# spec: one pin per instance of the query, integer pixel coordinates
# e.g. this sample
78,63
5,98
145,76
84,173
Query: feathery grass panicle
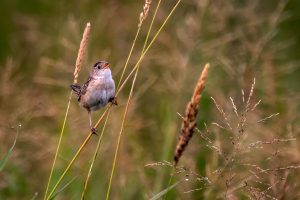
234,107
250,95
82,50
144,13
220,109
189,121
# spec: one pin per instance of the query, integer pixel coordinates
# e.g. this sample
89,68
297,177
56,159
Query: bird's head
100,68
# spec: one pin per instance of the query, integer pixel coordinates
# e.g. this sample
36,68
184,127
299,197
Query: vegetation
245,127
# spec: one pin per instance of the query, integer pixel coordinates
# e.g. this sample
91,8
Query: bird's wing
84,87
76,88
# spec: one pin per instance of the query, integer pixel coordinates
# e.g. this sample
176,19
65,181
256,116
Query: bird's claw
94,130
113,100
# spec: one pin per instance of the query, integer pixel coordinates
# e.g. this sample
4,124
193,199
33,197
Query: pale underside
98,93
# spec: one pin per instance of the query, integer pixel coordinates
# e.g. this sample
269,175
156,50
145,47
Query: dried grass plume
144,13
82,50
189,120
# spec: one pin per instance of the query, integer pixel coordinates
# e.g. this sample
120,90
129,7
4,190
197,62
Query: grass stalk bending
79,60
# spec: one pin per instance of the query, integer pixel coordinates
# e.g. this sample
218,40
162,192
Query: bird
97,91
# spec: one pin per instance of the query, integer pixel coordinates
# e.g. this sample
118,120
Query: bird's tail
76,88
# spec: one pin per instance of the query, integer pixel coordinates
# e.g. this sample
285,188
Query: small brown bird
98,90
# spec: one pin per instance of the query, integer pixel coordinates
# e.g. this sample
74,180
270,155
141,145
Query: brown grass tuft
189,120
81,51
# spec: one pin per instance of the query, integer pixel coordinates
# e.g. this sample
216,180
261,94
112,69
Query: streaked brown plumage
97,91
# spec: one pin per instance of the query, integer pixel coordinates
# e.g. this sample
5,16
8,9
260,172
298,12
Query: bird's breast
98,93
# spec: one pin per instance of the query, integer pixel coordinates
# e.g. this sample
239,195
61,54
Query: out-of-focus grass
38,48
6,156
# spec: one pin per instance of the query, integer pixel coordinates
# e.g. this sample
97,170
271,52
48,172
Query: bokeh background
241,40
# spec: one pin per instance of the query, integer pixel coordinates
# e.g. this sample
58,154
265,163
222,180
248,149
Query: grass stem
77,154
58,145
148,47
126,109
129,56
94,157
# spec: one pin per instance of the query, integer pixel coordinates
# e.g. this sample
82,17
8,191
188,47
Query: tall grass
119,87
143,16
78,64
237,173
245,144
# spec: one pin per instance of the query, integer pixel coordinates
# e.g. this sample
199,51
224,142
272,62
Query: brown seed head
189,120
81,51
144,13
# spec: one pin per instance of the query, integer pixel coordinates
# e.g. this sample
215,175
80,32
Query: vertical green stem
77,154
70,164
148,47
129,56
58,146
94,157
119,139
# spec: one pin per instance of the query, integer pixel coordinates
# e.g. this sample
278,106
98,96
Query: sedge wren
98,90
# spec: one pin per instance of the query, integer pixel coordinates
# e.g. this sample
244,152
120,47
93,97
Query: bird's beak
106,65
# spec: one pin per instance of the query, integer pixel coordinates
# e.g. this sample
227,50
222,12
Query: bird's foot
94,130
113,101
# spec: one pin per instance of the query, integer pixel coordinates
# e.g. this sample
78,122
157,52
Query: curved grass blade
165,191
4,160
63,188
34,196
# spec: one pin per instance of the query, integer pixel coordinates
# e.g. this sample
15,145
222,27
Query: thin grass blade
4,160
63,188
165,191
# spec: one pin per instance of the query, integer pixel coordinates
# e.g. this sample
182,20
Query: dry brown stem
189,121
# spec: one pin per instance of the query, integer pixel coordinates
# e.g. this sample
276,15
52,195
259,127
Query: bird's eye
99,67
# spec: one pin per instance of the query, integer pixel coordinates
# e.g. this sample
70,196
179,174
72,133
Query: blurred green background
241,40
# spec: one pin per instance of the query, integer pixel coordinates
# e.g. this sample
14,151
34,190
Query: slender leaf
34,196
63,188
3,161
165,191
